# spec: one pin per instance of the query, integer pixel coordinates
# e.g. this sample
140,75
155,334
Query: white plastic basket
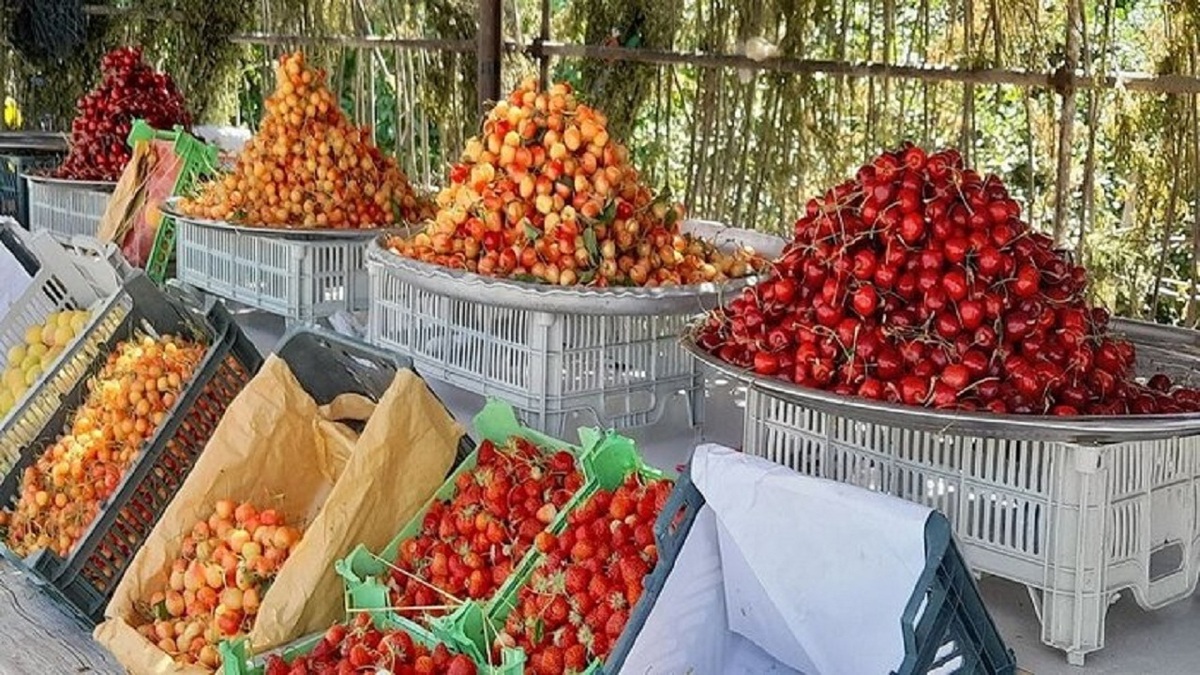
78,277
1074,523
301,280
66,209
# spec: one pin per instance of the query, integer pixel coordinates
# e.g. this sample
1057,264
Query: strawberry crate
606,464
63,279
366,573
85,579
67,208
14,193
236,659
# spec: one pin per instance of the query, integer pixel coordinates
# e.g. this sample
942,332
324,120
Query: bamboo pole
1066,124
1193,305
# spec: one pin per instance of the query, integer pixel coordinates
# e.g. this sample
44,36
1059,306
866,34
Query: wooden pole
489,51
1066,124
543,38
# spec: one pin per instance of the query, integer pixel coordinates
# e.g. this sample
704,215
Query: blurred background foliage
746,148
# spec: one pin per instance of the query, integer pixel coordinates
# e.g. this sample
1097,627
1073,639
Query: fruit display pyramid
918,282
547,195
128,90
308,167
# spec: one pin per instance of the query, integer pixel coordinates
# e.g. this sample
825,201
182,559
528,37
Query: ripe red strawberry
582,550
551,661
577,579
556,612
461,665
575,657
632,569
616,623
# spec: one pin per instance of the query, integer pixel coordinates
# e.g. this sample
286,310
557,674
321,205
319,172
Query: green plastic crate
365,574
607,462
199,160
236,658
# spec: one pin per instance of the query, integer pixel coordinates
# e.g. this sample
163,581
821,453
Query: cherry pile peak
309,166
128,90
546,195
917,282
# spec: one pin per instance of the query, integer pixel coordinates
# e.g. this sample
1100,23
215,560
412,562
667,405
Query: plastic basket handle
194,300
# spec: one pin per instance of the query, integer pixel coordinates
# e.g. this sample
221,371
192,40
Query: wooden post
489,50
543,38
1066,124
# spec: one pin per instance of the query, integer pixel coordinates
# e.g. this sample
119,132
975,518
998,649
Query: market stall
598,392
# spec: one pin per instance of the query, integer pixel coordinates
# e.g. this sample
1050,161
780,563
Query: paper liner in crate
783,573
276,446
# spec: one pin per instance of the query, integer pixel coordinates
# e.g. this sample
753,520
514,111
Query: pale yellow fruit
16,354
33,335
63,336
13,376
31,361
18,390
32,374
48,332
52,354
64,319
79,321
39,350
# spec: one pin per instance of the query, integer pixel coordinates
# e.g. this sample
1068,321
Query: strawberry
616,623
575,657
551,661
461,665
582,550
556,612
577,579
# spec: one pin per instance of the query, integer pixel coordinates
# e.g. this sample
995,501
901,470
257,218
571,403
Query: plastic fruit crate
613,370
85,580
366,573
606,466
300,279
235,659
1075,523
199,159
66,208
946,627
14,194
63,279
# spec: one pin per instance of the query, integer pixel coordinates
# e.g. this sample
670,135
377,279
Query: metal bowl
171,208
1166,349
625,301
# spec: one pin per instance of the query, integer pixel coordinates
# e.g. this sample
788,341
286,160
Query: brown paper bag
277,448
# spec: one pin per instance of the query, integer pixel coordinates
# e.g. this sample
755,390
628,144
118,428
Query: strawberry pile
469,544
578,599
129,90
918,282
362,648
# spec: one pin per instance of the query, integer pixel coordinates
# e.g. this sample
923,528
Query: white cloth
783,573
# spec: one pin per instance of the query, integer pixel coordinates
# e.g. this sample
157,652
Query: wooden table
38,638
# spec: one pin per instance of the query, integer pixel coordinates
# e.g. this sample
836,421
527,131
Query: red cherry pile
918,282
129,90
578,599
362,648
469,544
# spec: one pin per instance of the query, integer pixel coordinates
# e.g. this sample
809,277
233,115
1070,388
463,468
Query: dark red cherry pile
917,282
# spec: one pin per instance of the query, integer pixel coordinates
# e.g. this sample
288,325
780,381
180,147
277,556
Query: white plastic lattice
607,369
299,279
1074,523
66,210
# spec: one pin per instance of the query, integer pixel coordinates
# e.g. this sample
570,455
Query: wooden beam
463,46
1132,81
